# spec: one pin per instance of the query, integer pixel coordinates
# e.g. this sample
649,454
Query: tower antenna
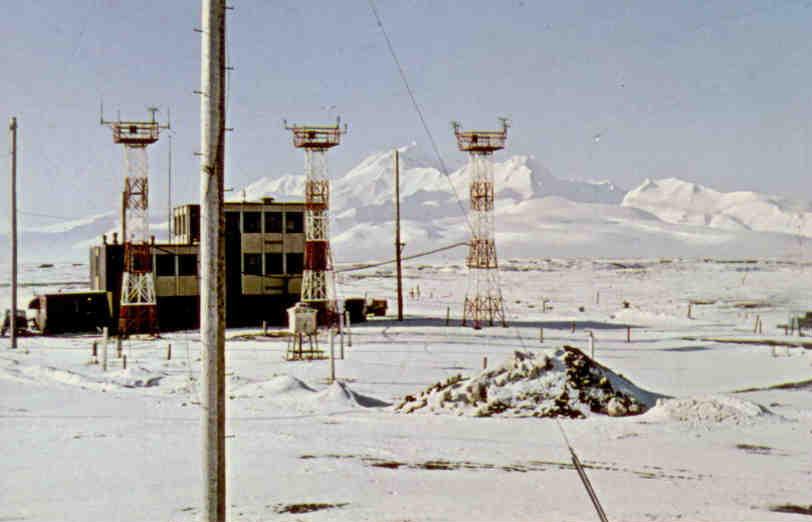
318,277
138,308
483,299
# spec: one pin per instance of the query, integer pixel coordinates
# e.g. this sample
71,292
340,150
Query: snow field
99,445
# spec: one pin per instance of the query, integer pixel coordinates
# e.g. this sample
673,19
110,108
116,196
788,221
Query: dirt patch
755,449
647,472
792,508
296,509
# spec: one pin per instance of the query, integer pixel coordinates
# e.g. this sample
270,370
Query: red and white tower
483,299
138,310
318,279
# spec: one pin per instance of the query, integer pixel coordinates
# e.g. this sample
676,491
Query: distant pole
169,195
212,259
332,357
123,217
12,129
398,244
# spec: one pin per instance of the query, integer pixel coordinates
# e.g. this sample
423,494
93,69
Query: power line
413,256
419,112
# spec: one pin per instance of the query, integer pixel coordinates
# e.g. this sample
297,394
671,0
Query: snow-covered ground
83,444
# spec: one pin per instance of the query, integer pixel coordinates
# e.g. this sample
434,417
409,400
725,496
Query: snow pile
712,409
288,391
339,394
564,384
276,387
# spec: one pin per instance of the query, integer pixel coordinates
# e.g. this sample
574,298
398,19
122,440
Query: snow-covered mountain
537,214
677,201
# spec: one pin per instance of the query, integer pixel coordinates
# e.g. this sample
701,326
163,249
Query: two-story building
264,256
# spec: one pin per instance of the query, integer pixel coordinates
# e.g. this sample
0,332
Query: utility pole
12,129
123,217
169,196
398,244
212,259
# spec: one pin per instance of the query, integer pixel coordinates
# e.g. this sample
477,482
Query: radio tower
483,299
318,281
138,311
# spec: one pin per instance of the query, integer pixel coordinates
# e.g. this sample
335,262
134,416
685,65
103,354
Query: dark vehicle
357,308
21,323
71,312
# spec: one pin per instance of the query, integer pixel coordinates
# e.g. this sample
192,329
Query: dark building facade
264,260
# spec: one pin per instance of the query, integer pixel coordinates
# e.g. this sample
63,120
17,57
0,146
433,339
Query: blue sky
710,91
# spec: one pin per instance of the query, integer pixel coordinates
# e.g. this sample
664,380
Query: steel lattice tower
138,310
483,299
318,279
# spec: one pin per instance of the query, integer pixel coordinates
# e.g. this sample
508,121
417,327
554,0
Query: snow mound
278,387
712,409
341,395
288,391
566,383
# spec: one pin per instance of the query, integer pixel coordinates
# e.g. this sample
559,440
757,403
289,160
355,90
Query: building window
251,222
232,223
294,222
187,264
273,222
273,264
164,265
252,264
295,263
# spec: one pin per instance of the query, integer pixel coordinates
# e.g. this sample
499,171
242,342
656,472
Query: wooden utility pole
212,258
398,244
123,217
169,195
12,129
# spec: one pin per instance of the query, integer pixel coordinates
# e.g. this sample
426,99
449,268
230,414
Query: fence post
332,359
541,335
447,315
485,363
169,352
104,357
341,335
118,346
628,334
124,361
349,329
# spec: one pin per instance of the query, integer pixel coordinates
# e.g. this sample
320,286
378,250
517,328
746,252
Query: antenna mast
318,277
483,300
138,310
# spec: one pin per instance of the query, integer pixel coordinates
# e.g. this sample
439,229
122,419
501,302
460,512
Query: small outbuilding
71,312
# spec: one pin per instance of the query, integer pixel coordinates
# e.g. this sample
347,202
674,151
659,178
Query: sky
714,91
